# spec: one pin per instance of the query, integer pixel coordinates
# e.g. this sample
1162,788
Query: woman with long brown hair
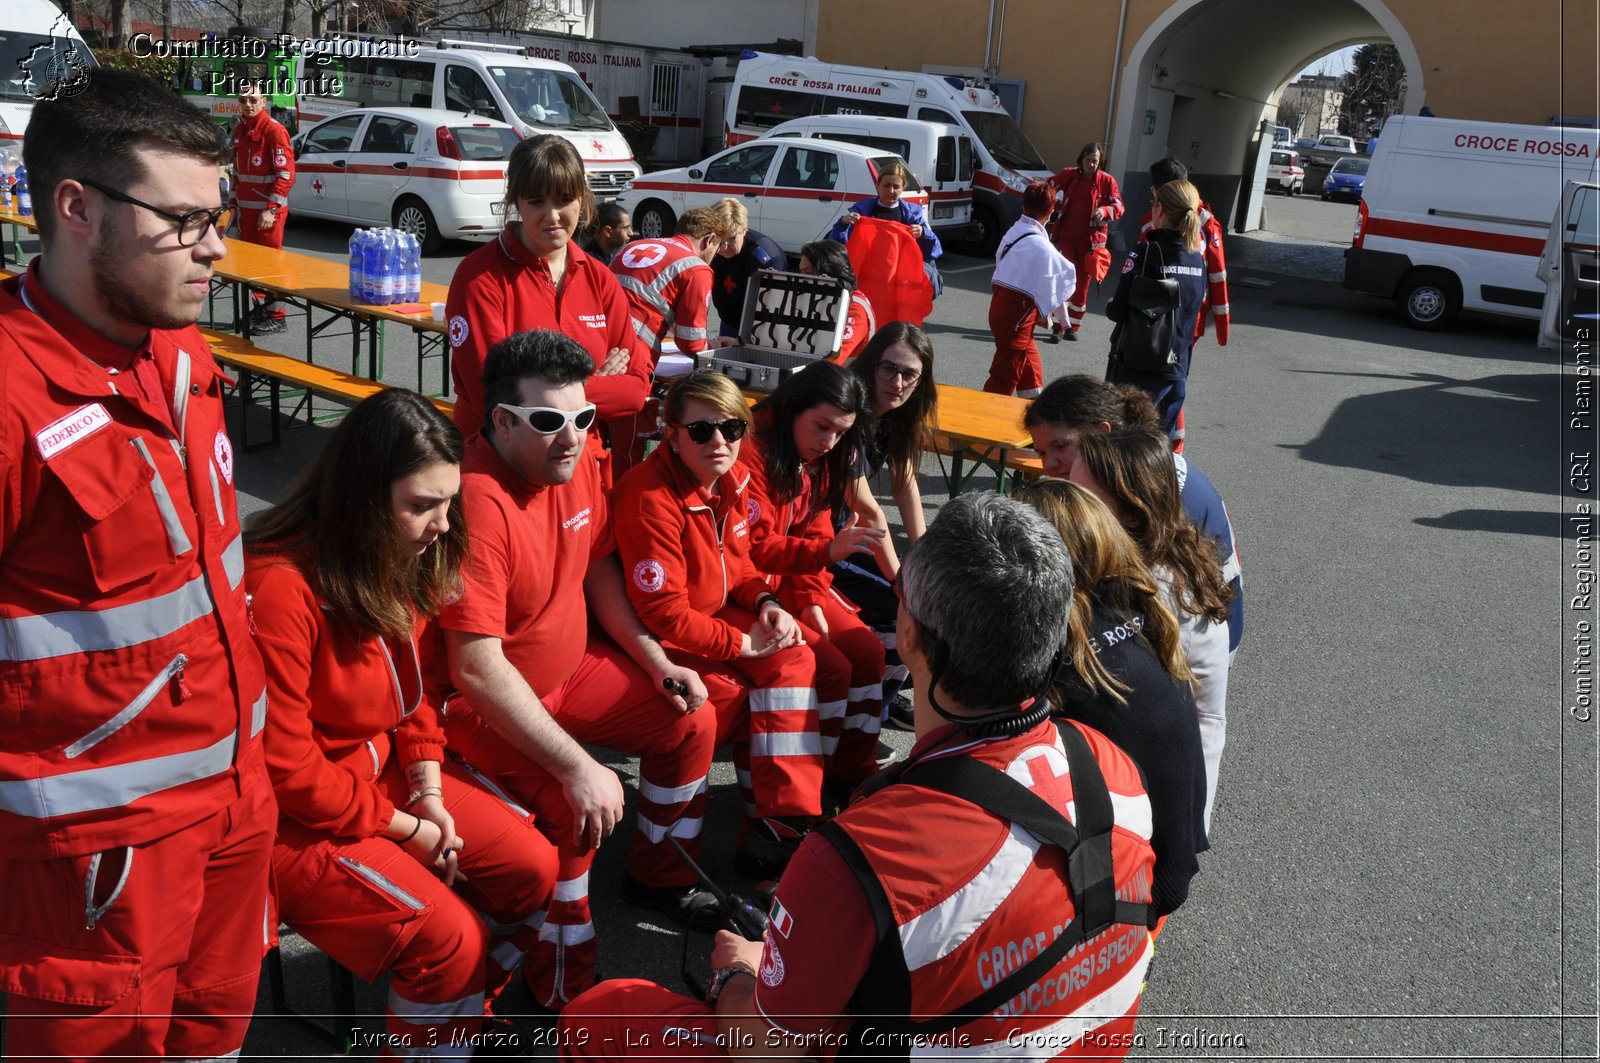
1132,472
344,574
1126,676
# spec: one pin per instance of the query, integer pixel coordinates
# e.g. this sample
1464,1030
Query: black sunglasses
732,430
192,225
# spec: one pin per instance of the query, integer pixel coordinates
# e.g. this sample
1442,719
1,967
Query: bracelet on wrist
761,602
423,791
719,981
414,828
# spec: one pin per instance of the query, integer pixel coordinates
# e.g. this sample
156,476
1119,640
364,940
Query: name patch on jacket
578,521
593,320
80,424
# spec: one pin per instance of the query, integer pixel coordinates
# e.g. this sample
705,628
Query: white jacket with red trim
669,289
263,164
134,694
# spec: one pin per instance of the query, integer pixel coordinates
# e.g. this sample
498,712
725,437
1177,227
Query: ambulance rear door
1570,268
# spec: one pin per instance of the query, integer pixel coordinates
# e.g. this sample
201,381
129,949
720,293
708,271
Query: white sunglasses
547,421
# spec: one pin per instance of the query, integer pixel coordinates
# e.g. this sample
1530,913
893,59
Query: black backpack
1147,339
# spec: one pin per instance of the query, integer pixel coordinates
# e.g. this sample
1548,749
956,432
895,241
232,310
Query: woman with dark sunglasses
682,525
800,460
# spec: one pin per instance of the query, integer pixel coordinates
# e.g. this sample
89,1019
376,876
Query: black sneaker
902,715
689,906
266,324
1052,336
767,847
887,754
1071,334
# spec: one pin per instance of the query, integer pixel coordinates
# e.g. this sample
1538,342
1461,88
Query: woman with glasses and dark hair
1125,674
828,258
682,521
389,856
801,460
896,368
535,276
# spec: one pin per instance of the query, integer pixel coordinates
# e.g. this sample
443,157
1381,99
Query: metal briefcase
790,321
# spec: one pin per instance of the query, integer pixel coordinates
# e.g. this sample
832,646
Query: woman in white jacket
1132,472
1031,280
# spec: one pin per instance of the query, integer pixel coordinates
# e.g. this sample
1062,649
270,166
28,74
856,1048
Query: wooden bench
260,369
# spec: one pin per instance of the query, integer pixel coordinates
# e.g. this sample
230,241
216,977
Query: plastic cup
438,311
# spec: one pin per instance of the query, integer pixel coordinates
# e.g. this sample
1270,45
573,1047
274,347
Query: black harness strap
884,994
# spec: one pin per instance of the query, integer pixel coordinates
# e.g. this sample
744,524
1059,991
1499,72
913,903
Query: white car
434,174
1285,173
794,189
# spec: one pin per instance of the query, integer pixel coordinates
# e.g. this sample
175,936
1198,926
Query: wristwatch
719,981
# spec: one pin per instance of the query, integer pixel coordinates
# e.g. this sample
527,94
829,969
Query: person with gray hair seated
958,880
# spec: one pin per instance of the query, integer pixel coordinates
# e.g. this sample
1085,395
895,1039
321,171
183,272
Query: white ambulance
1455,214
40,53
772,89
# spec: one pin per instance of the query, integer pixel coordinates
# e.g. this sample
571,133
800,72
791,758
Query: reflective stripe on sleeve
258,715
39,637
233,561
115,785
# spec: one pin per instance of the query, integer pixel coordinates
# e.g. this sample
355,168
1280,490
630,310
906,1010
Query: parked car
1305,143
435,174
1336,144
1286,174
1347,179
794,189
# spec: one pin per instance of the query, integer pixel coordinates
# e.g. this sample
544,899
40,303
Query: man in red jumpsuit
1090,203
135,809
669,295
986,915
534,684
263,173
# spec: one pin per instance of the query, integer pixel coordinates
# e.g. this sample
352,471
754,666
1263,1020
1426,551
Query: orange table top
983,417
12,217
318,280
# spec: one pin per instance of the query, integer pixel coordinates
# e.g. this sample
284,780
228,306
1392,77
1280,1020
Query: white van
494,81
1455,213
940,156
771,89
40,50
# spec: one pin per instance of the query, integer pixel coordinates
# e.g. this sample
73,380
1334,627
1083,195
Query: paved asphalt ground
1403,860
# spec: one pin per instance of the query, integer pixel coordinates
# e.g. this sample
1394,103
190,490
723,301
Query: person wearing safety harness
134,800
1018,924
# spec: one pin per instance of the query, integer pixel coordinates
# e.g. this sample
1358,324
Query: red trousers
374,907
1016,365
250,232
849,725
607,702
1078,303
170,964
625,1017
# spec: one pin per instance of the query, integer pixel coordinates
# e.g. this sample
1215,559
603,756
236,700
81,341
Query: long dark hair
818,384
1135,467
911,423
341,512
831,259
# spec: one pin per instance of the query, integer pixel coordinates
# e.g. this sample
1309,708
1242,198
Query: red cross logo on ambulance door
643,253
318,187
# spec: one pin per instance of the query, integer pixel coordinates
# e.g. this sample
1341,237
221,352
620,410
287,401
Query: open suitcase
790,321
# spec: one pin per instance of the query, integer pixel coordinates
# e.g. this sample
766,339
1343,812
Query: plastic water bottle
371,266
393,283
5,191
357,238
413,269
24,198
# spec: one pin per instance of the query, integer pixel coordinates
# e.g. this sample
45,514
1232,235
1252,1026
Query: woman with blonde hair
1125,675
1132,472
741,256
535,276
683,523
1170,250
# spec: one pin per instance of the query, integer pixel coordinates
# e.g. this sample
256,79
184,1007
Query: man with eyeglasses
263,173
532,682
135,810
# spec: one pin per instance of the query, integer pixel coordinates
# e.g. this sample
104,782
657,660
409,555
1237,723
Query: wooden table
982,427
17,223
313,284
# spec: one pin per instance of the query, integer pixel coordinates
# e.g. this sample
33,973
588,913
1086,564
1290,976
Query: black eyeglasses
888,372
732,430
192,225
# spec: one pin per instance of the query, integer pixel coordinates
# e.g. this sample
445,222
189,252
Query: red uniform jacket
669,289
787,536
343,701
686,554
1074,234
859,325
502,288
133,692
263,164
1216,301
